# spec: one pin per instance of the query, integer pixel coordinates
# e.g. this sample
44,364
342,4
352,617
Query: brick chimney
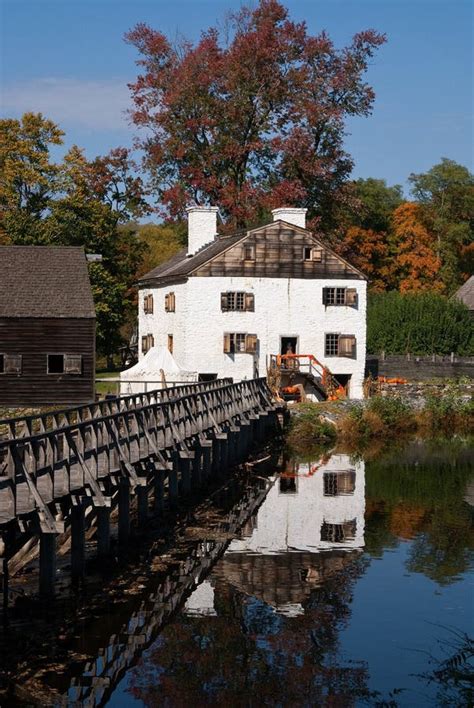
202,227
292,215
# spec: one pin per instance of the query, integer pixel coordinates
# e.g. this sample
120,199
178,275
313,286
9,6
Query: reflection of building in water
201,602
310,507
311,519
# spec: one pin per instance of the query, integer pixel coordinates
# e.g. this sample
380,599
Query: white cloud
95,105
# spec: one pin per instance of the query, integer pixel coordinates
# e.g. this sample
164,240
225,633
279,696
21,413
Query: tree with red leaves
251,117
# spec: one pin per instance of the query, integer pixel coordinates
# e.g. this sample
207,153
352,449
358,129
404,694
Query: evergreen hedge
423,323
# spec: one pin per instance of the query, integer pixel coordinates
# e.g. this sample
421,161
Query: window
249,252
312,254
241,302
148,304
170,302
170,343
240,343
339,296
148,342
65,364
10,363
338,533
340,345
338,483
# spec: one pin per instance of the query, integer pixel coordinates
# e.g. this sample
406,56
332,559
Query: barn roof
44,281
466,293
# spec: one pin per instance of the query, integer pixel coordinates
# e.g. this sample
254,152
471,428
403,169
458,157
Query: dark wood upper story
47,327
277,250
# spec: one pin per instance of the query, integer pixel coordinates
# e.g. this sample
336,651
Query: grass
104,387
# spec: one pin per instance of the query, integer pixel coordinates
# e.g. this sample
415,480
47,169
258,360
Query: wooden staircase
288,376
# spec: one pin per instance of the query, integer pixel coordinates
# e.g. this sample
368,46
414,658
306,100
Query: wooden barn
47,327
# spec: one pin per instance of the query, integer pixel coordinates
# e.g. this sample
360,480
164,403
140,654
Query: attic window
10,363
312,254
249,252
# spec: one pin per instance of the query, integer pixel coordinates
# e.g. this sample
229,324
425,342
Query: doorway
286,342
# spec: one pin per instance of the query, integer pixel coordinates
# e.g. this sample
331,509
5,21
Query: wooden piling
47,563
103,531
78,539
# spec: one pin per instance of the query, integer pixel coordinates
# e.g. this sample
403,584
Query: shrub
308,428
423,323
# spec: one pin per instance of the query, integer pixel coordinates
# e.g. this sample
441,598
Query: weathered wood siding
278,254
34,339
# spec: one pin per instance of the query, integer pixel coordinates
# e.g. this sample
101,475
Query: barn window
148,342
239,342
170,302
148,304
340,345
10,364
64,364
339,296
311,253
237,301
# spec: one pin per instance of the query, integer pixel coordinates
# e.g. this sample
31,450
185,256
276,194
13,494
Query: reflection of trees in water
419,495
250,651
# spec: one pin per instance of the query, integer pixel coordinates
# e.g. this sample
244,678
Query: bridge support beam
103,531
78,539
142,505
206,462
173,482
47,564
158,492
123,511
196,473
185,474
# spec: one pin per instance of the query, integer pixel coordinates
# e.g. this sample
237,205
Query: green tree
75,202
446,193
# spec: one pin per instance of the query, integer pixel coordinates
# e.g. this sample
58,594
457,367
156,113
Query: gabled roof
466,293
44,281
180,266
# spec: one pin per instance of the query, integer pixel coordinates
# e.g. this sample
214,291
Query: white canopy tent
156,370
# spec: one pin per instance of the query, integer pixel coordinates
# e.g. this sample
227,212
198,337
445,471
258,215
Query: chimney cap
288,210
210,209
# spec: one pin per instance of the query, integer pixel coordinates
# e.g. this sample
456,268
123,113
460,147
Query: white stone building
226,303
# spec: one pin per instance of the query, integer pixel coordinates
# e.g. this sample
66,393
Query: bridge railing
24,426
115,439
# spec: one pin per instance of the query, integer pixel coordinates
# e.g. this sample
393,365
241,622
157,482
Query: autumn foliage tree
415,264
251,117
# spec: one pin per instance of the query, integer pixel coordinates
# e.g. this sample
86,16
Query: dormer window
311,253
249,252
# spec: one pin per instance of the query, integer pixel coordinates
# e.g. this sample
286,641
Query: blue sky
67,59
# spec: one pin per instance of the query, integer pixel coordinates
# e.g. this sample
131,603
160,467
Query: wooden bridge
66,472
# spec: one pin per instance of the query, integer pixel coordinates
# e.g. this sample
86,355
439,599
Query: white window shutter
73,364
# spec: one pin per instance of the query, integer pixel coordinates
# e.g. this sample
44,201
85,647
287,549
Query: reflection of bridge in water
62,474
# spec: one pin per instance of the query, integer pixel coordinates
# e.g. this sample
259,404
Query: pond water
352,580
